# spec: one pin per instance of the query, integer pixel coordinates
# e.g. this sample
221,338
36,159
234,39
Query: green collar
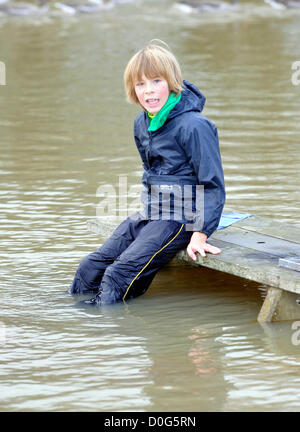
158,120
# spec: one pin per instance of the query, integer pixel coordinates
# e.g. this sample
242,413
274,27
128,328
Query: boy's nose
149,88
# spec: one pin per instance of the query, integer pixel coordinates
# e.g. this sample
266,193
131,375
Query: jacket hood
191,100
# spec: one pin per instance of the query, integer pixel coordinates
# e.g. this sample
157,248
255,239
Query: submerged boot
94,301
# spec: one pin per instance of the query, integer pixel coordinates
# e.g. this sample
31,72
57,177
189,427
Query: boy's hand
198,244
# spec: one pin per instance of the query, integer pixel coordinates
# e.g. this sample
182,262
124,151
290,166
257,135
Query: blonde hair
152,61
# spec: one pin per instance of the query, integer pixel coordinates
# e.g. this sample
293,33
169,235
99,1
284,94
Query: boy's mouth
152,101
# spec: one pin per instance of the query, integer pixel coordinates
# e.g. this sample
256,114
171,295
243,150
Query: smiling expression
152,93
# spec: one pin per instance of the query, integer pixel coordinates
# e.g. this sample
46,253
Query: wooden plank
270,227
249,264
292,263
259,263
261,242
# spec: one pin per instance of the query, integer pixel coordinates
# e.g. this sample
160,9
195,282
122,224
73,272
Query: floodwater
192,342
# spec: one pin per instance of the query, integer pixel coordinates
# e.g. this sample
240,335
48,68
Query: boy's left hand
198,244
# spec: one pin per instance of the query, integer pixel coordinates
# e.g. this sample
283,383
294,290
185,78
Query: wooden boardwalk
259,249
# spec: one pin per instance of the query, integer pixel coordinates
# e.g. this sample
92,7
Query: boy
180,152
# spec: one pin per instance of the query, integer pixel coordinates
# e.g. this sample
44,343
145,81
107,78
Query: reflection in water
192,342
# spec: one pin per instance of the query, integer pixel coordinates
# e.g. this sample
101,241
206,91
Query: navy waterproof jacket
185,150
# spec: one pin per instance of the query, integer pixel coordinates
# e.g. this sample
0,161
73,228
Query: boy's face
152,93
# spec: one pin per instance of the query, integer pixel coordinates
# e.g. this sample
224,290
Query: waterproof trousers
125,265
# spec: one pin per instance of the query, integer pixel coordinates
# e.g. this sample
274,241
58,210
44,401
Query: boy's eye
157,81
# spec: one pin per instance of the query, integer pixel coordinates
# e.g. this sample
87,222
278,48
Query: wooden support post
279,305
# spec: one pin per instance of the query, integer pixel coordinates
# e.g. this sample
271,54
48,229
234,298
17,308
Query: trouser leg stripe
153,256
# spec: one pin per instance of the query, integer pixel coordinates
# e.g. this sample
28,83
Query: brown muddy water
192,342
